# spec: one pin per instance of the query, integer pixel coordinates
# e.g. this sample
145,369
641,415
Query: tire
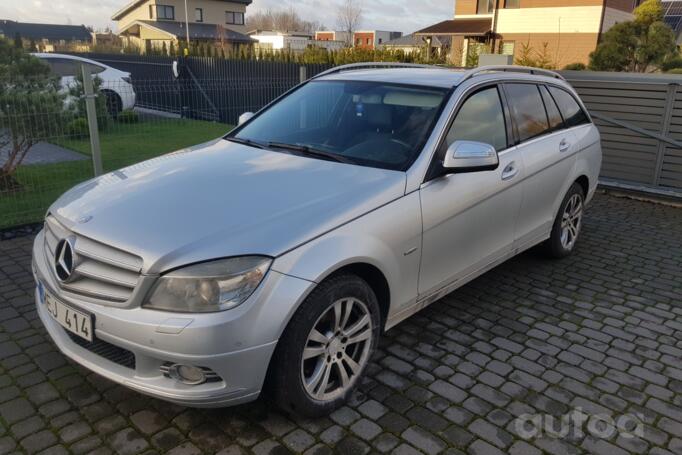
114,103
567,225
329,353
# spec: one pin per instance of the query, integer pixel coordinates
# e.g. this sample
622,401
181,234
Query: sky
399,15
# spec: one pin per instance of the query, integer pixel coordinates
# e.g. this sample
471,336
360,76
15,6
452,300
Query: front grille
100,271
112,353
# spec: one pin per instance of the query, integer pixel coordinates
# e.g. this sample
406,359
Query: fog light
187,374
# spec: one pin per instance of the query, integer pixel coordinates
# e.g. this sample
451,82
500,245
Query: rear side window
63,67
556,122
569,107
94,69
480,119
528,110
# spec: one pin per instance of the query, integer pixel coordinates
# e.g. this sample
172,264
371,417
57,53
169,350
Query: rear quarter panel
590,155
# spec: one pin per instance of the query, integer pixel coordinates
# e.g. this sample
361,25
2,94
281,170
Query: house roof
196,31
45,31
416,40
118,15
459,27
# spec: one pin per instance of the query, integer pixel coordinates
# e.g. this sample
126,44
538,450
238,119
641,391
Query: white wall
573,19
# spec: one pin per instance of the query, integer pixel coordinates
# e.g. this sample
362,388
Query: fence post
91,110
303,73
665,129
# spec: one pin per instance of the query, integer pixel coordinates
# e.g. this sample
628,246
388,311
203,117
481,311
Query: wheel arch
584,183
374,278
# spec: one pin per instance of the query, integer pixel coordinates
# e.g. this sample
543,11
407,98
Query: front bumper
236,344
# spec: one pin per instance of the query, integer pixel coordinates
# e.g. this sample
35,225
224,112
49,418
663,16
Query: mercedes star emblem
64,260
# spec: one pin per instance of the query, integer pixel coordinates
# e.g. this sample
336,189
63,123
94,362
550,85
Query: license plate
74,321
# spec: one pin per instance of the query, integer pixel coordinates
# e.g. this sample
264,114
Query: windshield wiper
248,142
307,150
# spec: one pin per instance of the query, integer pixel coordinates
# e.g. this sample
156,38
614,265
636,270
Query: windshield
367,123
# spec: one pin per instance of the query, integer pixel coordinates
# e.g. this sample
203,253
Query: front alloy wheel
326,347
337,349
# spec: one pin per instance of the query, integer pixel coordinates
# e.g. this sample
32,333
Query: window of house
555,120
528,110
233,17
507,47
569,107
485,6
199,14
512,3
369,41
480,119
165,12
151,11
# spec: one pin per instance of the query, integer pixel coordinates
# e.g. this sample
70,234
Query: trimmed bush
128,116
575,67
78,128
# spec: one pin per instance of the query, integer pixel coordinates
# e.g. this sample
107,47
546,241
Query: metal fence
59,152
208,88
640,118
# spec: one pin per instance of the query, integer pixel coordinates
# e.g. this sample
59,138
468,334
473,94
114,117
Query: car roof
431,77
49,55
440,77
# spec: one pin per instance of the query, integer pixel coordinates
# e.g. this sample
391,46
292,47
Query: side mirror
470,156
245,117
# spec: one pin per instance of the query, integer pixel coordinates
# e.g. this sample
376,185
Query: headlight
209,287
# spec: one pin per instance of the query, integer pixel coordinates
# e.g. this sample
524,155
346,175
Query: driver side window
480,119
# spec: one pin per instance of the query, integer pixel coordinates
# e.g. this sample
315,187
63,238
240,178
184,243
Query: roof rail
368,65
510,69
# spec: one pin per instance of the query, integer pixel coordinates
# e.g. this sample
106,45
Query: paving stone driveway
600,331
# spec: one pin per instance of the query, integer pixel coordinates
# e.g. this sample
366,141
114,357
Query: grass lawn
122,145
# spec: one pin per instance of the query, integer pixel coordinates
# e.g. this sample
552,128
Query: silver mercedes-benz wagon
273,258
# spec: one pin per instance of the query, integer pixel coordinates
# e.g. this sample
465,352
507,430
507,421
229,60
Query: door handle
564,146
510,171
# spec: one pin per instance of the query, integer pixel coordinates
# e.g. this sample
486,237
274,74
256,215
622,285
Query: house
372,39
672,10
153,24
565,31
48,37
330,35
292,41
270,40
414,43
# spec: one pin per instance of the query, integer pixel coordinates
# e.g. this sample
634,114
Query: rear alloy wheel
567,224
326,347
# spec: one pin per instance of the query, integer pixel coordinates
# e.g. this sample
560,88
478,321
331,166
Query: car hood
222,199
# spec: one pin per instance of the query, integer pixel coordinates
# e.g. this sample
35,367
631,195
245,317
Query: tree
284,20
639,45
18,43
349,17
31,108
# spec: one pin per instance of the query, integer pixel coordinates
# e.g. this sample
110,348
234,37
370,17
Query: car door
469,218
548,149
